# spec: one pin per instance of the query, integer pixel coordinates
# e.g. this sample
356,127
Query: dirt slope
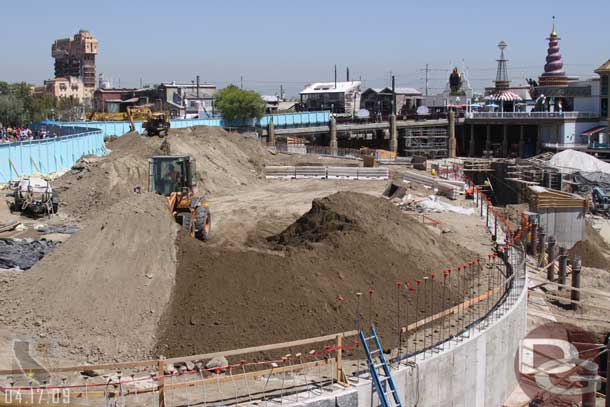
349,242
104,290
225,161
593,250
106,180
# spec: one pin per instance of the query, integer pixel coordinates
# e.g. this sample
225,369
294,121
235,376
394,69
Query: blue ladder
383,378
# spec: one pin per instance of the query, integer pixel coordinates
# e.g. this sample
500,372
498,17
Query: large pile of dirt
101,182
593,250
229,298
104,290
225,161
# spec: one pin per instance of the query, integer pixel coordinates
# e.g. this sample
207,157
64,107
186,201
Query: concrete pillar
472,145
333,136
563,265
452,141
521,142
488,138
550,271
393,134
505,141
534,240
271,133
575,294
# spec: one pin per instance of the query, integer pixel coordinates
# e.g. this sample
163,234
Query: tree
239,105
12,112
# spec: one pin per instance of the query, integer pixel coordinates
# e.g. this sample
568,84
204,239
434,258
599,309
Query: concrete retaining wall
476,372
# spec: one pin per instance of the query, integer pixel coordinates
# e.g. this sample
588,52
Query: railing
532,115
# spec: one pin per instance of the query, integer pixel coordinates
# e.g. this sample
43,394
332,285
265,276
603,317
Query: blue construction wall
82,138
49,155
302,119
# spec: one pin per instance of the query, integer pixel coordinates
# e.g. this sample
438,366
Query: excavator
173,176
155,124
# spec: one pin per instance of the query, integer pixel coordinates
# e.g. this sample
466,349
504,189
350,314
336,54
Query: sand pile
224,160
593,250
101,182
349,242
103,291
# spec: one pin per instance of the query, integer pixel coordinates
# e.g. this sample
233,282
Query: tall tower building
75,57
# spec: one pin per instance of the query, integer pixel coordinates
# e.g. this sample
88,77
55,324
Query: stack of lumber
545,198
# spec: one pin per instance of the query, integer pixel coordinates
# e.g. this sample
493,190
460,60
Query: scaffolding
430,142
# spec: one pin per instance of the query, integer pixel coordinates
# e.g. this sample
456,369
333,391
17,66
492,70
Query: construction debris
448,188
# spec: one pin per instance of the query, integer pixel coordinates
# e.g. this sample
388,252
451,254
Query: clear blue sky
295,42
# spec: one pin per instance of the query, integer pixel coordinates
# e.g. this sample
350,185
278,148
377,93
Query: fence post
339,359
161,379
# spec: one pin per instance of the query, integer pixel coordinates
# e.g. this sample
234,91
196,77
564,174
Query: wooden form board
545,198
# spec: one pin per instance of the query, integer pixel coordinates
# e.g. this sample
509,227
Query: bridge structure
389,134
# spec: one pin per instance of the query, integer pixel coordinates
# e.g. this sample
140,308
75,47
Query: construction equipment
155,123
174,177
600,201
384,384
33,196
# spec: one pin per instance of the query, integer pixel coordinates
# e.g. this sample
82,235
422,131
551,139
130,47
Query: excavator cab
175,178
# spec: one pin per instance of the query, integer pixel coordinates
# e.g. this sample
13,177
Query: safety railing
532,115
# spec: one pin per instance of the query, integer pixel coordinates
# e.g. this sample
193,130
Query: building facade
75,57
338,97
66,87
380,101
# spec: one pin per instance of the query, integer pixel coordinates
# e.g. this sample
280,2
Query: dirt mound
593,250
103,291
101,182
318,224
224,160
349,242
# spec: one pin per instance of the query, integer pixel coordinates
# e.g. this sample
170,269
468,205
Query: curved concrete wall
477,371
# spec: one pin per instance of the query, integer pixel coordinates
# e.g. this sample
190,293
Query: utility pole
335,76
281,92
426,79
394,95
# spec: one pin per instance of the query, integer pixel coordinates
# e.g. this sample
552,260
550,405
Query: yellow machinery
174,177
107,117
155,124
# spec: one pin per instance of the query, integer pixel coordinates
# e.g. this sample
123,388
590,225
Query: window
604,107
604,90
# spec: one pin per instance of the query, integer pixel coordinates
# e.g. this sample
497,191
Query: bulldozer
155,124
173,176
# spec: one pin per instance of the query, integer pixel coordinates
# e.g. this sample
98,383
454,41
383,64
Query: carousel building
563,112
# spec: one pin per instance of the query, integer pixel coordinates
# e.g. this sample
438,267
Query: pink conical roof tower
553,75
